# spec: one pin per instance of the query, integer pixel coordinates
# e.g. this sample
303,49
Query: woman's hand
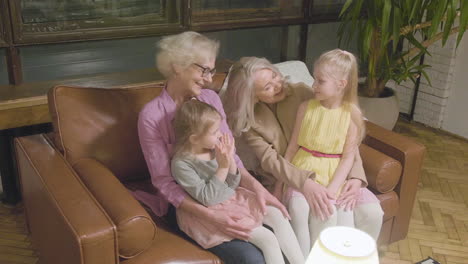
228,222
225,221
318,198
266,198
350,194
222,155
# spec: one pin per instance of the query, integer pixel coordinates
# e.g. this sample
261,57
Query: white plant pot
382,111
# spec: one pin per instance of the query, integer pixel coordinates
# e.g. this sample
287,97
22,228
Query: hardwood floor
15,244
439,224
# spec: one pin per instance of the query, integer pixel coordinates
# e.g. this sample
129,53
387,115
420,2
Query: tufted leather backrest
101,124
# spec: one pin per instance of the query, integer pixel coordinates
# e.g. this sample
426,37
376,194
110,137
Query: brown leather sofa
75,182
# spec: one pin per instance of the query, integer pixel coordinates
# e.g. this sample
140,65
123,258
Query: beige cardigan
269,137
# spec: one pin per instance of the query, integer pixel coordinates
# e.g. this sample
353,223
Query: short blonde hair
193,118
239,99
184,49
342,65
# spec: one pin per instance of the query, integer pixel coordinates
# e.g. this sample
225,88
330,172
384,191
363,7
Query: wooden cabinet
54,21
230,12
39,21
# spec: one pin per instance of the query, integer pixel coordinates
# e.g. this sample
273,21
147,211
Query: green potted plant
392,35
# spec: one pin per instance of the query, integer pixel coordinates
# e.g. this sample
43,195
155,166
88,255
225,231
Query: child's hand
222,155
229,144
349,194
333,191
230,148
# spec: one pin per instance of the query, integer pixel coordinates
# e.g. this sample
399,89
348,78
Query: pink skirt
243,205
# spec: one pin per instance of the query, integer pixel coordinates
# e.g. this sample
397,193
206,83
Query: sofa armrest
382,172
410,154
67,224
135,229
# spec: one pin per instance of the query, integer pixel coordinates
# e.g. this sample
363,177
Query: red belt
321,154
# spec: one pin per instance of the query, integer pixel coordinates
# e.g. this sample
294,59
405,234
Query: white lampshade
343,245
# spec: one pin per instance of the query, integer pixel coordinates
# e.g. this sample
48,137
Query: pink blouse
157,139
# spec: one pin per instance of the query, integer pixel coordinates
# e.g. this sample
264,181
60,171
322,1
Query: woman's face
268,86
197,75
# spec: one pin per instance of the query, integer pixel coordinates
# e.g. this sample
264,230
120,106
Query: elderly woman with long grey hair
261,110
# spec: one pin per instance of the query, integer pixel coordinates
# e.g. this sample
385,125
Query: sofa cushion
294,71
101,124
382,171
135,229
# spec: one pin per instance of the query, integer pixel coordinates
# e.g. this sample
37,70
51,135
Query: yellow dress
323,130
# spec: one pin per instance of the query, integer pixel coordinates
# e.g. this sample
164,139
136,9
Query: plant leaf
407,4
385,29
423,72
415,42
451,14
416,7
377,25
387,9
356,17
396,27
367,38
439,11
463,19
345,7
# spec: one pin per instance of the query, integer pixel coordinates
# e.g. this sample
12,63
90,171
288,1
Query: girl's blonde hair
183,50
239,99
193,118
342,65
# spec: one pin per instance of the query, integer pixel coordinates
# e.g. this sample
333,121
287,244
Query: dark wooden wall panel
3,68
62,61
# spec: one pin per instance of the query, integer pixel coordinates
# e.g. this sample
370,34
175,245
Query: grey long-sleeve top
197,177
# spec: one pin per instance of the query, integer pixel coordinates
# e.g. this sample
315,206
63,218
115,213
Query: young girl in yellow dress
204,166
327,131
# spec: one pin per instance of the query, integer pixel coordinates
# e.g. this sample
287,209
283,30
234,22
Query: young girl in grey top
204,166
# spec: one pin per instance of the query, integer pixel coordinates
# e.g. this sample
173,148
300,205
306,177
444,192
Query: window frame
322,17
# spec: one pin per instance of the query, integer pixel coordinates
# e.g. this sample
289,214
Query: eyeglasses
206,70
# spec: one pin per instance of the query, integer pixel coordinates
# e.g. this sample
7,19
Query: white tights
283,238
299,211
307,227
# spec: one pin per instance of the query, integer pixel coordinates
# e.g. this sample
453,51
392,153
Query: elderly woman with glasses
187,60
